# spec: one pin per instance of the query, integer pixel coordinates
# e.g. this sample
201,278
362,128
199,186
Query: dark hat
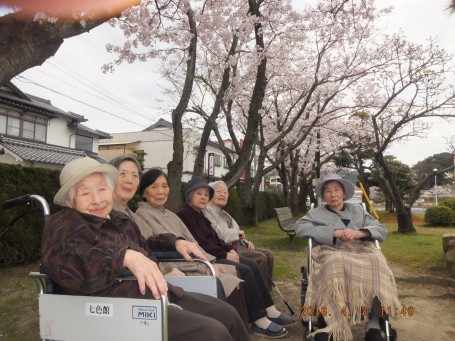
195,183
348,187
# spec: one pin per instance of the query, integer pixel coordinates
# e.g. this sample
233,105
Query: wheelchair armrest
41,281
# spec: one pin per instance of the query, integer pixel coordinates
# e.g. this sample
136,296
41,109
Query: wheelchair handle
26,200
16,201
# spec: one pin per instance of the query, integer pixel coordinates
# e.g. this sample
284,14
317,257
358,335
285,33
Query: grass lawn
413,252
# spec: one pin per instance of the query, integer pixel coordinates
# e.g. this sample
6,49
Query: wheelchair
71,317
316,320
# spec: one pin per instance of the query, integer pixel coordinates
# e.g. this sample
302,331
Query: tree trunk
211,121
404,215
293,183
248,200
257,98
175,166
27,43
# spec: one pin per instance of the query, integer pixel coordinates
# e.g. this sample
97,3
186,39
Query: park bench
286,221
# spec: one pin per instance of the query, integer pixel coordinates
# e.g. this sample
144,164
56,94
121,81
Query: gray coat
321,222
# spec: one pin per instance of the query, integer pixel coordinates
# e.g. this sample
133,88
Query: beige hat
74,171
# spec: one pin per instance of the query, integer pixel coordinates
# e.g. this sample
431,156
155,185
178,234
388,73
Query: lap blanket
343,283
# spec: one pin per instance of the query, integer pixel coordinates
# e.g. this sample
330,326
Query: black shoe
392,332
373,335
321,337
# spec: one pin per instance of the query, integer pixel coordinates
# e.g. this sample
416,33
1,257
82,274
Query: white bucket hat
348,187
74,171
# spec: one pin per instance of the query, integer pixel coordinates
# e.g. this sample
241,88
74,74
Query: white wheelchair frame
90,318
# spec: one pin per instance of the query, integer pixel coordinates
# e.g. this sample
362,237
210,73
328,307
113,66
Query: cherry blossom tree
274,77
164,30
415,84
323,55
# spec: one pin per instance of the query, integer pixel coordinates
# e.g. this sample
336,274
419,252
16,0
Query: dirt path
433,306
433,303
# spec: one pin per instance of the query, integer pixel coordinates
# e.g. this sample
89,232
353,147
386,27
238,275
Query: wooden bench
286,221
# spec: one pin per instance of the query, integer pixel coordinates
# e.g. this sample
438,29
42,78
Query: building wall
7,158
58,133
158,146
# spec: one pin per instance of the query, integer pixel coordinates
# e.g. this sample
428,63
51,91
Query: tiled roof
40,105
161,123
40,152
94,132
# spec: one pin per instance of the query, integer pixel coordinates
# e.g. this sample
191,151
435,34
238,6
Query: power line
97,89
26,80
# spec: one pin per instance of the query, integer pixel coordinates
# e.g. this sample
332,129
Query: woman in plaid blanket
350,280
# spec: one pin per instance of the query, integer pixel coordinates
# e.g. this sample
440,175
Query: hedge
20,244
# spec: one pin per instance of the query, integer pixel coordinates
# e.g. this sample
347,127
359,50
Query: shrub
21,243
261,206
234,206
439,215
450,203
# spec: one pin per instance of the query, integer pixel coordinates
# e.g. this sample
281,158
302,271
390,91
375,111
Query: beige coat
160,220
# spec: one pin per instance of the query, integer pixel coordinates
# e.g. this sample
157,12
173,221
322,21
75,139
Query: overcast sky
73,80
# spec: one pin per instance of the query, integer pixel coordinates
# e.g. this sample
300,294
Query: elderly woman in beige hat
87,245
350,277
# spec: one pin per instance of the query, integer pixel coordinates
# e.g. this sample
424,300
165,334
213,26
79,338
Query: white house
154,146
35,133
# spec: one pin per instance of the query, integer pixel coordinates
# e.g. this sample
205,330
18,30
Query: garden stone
450,263
448,242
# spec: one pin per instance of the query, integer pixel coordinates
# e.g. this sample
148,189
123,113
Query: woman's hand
233,256
349,235
218,270
147,273
250,245
188,250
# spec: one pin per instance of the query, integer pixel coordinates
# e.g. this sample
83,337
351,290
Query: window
13,126
22,125
3,120
217,160
84,143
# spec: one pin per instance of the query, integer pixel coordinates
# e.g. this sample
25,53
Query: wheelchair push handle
16,201
27,200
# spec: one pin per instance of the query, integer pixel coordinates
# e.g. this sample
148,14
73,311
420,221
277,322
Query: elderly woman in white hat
87,245
350,277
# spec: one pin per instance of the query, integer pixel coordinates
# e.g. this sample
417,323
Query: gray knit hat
195,183
348,187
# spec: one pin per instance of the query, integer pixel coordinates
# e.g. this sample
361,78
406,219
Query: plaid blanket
343,284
